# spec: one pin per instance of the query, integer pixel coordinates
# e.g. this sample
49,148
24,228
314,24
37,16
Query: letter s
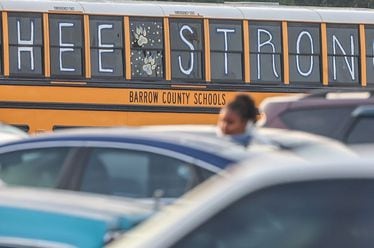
190,45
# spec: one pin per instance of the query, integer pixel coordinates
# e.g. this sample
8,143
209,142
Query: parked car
360,128
49,218
303,144
274,200
116,161
10,133
333,114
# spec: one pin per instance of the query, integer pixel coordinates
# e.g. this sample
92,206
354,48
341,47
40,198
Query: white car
10,133
276,200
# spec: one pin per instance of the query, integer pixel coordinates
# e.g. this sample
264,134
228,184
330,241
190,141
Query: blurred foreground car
339,115
56,219
116,161
274,200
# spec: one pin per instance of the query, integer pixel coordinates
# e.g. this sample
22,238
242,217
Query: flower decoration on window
140,36
149,65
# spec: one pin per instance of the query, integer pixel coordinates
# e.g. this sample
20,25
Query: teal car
54,218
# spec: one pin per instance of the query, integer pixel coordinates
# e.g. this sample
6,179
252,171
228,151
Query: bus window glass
265,52
226,50
369,30
66,41
147,48
25,44
186,38
304,52
343,53
106,36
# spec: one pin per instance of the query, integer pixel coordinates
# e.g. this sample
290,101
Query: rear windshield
322,121
361,132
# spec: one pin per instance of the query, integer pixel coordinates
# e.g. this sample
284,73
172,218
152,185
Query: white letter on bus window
190,45
62,50
225,31
259,45
101,51
28,49
351,67
305,74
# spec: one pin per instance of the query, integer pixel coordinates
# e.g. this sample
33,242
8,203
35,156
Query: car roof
248,176
271,139
208,149
331,98
309,142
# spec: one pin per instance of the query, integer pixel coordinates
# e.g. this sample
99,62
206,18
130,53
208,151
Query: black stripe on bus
108,107
166,85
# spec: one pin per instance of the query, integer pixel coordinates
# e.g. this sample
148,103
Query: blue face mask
242,139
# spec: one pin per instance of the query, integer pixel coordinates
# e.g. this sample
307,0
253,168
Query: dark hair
244,106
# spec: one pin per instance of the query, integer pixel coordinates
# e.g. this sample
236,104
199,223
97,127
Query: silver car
276,200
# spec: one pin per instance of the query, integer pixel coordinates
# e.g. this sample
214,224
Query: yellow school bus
104,63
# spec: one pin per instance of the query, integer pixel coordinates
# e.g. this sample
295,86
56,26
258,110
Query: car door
138,171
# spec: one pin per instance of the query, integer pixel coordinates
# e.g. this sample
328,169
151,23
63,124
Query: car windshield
324,213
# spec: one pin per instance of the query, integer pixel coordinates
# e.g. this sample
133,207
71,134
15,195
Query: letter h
23,43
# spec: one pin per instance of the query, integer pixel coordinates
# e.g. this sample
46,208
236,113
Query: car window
34,167
362,131
204,173
323,121
324,214
136,173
